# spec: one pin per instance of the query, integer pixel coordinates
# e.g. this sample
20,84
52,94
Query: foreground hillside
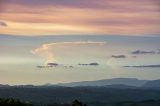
92,96
16,102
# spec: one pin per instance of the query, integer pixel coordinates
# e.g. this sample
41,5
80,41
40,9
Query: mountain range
115,81
93,93
131,83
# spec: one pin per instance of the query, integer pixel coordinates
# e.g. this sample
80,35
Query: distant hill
1,85
121,86
122,81
94,93
125,83
152,84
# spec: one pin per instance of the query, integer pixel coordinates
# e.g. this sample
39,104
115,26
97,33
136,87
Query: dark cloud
118,56
68,66
138,52
43,66
145,66
3,24
83,64
94,64
49,65
71,67
90,64
52,64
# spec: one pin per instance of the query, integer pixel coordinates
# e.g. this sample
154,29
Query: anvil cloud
52,50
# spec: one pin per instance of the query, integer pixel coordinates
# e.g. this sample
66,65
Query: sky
58,41
66,17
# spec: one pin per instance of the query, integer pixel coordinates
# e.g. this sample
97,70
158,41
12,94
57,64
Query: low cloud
66,66
118,56
70,66
52,64
40,66
145,66
90,64
139,52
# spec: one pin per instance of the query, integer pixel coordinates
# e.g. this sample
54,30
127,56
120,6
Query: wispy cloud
54,65
145,66
80,17
138,52
76,43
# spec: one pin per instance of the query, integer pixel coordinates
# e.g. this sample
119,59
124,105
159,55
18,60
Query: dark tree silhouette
77,103
13,102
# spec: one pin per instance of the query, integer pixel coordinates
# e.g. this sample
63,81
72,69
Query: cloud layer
52,17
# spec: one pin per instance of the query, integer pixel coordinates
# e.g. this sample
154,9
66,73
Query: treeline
129,103
74,103
17,102
49,95
140,103
13,102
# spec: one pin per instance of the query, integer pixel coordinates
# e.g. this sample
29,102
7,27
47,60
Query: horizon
59,84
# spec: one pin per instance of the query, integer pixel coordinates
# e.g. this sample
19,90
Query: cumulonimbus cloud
47,51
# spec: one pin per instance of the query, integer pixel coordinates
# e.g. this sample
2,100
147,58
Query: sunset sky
121,36
65,17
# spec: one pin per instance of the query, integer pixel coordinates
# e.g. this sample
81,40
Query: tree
77,103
